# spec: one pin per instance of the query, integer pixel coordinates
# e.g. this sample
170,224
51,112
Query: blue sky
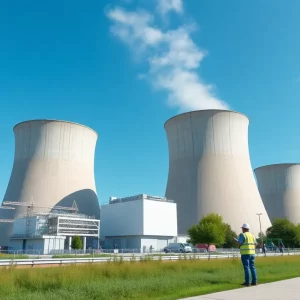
67,60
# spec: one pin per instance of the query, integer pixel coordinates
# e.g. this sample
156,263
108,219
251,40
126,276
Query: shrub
76,242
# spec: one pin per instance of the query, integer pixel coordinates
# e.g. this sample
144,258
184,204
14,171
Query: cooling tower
279,187
54,165
210,169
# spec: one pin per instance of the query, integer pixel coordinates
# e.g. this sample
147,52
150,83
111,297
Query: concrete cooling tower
279,187
53,165
210,169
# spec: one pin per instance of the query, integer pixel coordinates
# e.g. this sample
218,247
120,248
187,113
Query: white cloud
165,6
172,55
181,52
133,27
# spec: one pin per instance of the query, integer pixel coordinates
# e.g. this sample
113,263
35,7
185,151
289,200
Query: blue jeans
248,264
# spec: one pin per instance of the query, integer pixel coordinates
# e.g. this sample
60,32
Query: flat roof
114,200
54,120
206,110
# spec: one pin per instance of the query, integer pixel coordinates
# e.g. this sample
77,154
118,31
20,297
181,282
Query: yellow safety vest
248,247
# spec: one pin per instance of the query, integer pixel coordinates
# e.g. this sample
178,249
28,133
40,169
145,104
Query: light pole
260,226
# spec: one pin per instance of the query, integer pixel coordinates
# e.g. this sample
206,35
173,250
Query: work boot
245,284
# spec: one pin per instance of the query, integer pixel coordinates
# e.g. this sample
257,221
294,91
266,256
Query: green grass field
12,256
139,280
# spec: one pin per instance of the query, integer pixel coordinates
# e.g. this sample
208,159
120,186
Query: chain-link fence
19,254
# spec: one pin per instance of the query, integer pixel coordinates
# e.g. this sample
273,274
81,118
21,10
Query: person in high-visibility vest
247,242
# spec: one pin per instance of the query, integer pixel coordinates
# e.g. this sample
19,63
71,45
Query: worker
264,249
247,243
281,247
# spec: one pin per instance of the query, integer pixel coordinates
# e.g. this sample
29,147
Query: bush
76,242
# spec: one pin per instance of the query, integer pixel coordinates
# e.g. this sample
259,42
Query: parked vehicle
178,248
211,248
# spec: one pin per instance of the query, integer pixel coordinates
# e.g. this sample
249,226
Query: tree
285,230
76,242
210,230
261,238
230,236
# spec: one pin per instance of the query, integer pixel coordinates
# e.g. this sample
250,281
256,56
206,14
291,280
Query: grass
81,255
139,280
12,256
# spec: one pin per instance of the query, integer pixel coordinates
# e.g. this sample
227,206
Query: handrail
128,258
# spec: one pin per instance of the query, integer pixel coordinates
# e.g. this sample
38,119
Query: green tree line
212,230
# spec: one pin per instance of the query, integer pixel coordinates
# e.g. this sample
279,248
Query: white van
178,247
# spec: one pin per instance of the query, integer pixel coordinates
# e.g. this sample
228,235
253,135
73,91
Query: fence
126,258
19,253
232,252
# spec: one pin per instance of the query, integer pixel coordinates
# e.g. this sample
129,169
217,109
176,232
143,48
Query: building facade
138,222
52,233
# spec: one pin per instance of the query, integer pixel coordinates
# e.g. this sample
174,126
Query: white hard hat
246,226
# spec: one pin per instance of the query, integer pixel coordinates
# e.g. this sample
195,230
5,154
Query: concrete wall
120,219
44,245
160,218
16,245
53,243
139,217
210,169
123,242
54,164
158,243
37,244
279,187
138,242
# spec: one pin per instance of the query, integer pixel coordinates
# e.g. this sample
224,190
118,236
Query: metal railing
219,252
128,258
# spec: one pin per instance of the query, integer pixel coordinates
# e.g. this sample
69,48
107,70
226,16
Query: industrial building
279,187
50,233
210,170
53,166
138,222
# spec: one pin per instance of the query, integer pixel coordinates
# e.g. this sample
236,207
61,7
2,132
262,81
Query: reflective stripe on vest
248,247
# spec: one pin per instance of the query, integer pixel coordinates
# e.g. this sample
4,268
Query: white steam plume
172,55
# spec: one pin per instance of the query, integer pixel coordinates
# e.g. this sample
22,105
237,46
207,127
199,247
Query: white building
50,233
138,222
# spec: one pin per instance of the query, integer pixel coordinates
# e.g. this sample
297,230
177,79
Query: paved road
286,289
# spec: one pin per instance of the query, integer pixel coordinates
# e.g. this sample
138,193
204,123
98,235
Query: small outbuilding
140,223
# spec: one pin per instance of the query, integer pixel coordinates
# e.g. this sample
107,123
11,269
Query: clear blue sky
60,60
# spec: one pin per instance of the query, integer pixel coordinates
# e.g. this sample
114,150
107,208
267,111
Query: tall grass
147,279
